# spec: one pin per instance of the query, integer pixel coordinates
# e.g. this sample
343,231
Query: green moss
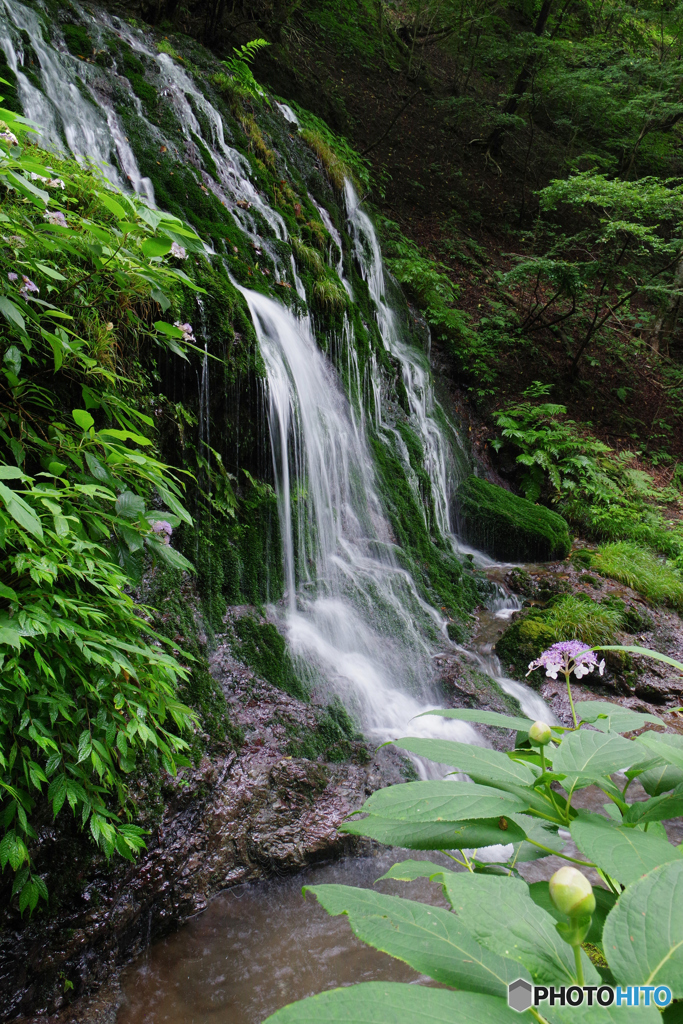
177,618
77,40
507,527
335,737
260,645
436,571
10,98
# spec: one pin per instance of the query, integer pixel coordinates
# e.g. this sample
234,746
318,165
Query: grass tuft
641,570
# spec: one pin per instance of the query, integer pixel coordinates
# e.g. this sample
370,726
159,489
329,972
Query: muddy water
258,947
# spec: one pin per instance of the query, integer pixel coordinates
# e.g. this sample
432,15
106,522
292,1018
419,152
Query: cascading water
352,613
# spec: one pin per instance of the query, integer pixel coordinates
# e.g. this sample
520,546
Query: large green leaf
661,779
502,916
409,870
480,763
659,808
430,939
585,756
643,936
388,1002
434,835
482,718
604,901
542,839
610,717
625,853
600,1014
441,801
665,745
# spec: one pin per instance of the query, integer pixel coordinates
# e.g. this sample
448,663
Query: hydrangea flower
12,276
56,217
9,137
27,287
163,529
187,331
567,656
178,251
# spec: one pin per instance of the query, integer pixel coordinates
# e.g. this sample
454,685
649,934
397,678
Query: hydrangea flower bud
540,734
571,892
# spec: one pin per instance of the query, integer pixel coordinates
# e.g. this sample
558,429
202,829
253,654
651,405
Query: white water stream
352,613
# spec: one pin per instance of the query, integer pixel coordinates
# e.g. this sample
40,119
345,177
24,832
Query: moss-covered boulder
509,528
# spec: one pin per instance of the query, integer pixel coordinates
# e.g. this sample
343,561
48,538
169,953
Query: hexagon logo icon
520,995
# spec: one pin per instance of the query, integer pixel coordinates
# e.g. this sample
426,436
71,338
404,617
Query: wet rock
233,818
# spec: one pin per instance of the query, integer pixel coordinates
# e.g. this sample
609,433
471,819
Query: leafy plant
238,66
638,568
499,927
88,687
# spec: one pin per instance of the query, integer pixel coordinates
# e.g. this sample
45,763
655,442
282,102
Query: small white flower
178,251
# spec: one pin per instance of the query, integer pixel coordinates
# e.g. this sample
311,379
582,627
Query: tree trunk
495,141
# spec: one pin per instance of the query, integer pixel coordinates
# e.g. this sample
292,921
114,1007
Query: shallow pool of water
260,946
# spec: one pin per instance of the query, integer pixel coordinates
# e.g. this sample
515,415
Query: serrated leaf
585,756
130,505
441,801
409,870
643,936
12,313
21,512
624,853
82,419
661,779
482,718
502,916
480,763
658,808
461,835
156,246
429,939
665,745
616,717
378,1002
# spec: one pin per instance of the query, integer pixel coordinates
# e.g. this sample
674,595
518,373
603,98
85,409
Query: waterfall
352,613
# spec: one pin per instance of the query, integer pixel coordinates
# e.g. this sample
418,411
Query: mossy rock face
507,527
521,643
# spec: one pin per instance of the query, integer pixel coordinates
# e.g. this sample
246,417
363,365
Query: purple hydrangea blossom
187,331
9,137
178,251
164,529
28,286
567,656
12,276
56,217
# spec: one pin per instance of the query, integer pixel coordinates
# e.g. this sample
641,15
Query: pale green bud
540,734
572,893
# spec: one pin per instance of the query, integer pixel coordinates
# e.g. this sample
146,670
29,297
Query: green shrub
567,618
507,527
641,570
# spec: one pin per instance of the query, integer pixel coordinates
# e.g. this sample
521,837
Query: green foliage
77,40
589,281
558,460
640,569
508,527
238,66
89,688
500,928
567,617
261,646
335,737
335,152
